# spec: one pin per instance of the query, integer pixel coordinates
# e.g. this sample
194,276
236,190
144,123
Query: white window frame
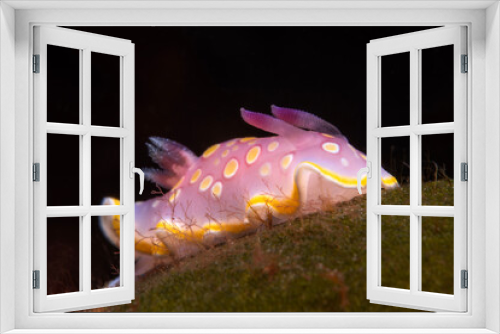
16,216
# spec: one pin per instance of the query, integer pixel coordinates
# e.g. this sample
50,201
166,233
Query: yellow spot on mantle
217,189
231,168
211,150
265,170
196,176
225,153
205,184
231,143
253,155
273,146
327,135
286,161
244,140
331,147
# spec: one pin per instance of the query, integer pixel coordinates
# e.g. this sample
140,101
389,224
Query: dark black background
190,83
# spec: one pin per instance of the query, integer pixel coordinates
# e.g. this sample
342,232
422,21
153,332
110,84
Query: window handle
366,170
141,175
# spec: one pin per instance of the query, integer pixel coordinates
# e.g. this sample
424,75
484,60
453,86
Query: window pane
437,84
105,89
437,254
104,251
63,85
395,251
105,168
63,170
63,255
437,169
396,162
395,94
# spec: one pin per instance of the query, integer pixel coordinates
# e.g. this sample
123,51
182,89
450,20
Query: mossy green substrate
312,264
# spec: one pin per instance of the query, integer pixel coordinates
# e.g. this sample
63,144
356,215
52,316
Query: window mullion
127,183
414,171
419,167
122,180
372,220
81,161
85,266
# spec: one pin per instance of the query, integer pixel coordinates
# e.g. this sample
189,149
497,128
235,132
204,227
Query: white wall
492,165
7,165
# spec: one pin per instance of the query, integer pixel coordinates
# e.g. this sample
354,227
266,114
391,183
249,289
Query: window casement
86,131
415,44
475,319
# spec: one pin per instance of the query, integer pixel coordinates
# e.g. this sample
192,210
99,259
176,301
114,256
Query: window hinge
36,279
465,64
36,63
464,279
464,171
36,172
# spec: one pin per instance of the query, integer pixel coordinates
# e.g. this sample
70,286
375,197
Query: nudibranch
237,186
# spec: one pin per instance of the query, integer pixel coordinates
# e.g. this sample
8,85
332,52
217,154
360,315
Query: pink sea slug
241,184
